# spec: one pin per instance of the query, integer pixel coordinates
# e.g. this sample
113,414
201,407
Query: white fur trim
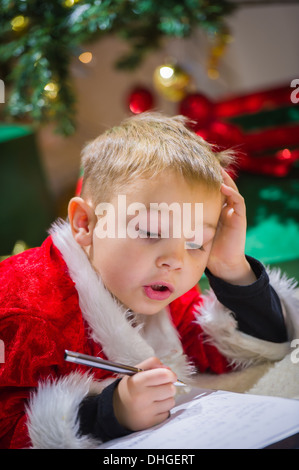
156,335
241,349
288,293
53,409
108,319
52,414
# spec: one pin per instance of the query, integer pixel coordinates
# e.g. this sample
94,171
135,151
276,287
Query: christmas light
85,57
166,72
284,154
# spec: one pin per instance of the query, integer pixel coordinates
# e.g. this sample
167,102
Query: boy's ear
82,220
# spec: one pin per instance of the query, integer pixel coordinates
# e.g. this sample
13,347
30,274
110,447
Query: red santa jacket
51,300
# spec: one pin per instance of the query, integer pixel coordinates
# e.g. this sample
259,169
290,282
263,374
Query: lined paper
219,420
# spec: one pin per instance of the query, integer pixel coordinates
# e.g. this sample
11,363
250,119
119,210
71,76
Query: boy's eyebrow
156,209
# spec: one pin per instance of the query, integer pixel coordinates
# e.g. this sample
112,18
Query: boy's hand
227,257
146,398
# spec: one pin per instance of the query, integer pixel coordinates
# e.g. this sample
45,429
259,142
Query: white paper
219,420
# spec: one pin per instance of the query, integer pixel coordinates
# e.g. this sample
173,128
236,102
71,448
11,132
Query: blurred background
71,69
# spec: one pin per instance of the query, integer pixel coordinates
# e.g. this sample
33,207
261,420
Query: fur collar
109,320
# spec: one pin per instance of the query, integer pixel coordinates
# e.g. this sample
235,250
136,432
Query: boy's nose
173,258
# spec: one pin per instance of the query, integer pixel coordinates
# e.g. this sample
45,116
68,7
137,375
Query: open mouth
158,291
159,287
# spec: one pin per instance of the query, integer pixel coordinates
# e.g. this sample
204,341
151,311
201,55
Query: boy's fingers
160,418
234,200
228,180
164,393
164,406
150,363
156,377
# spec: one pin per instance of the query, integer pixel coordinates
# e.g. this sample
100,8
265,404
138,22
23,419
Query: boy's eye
194,246
146,234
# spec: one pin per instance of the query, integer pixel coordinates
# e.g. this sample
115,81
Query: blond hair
142,147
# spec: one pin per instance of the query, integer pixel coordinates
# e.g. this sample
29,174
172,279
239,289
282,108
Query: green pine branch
41,52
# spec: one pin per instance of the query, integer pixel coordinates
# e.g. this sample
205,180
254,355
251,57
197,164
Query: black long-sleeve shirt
258,312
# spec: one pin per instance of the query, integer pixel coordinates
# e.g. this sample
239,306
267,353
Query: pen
91,361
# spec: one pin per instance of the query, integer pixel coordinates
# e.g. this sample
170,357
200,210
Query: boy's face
148,272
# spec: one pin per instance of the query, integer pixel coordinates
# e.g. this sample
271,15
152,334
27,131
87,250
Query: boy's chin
148,309
152,310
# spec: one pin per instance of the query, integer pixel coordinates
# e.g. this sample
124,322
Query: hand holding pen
92,361
144,396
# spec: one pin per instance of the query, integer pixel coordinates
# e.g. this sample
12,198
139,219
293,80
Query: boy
130,295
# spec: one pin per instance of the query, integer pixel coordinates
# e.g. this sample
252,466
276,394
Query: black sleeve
256,307
96,416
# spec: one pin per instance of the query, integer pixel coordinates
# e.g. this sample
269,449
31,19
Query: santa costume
51,299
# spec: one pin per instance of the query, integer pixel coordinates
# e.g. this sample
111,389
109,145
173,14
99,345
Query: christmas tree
39,39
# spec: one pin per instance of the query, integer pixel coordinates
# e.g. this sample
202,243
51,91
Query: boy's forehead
164,193
156,210
158,207
170,185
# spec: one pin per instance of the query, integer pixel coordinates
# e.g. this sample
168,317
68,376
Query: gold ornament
171,81
220,42
69,3
19,23
51,90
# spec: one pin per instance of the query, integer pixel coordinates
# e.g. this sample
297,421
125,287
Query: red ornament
225,135
203,132
197,108
253,102
273,138
278,164
269,150
140,100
